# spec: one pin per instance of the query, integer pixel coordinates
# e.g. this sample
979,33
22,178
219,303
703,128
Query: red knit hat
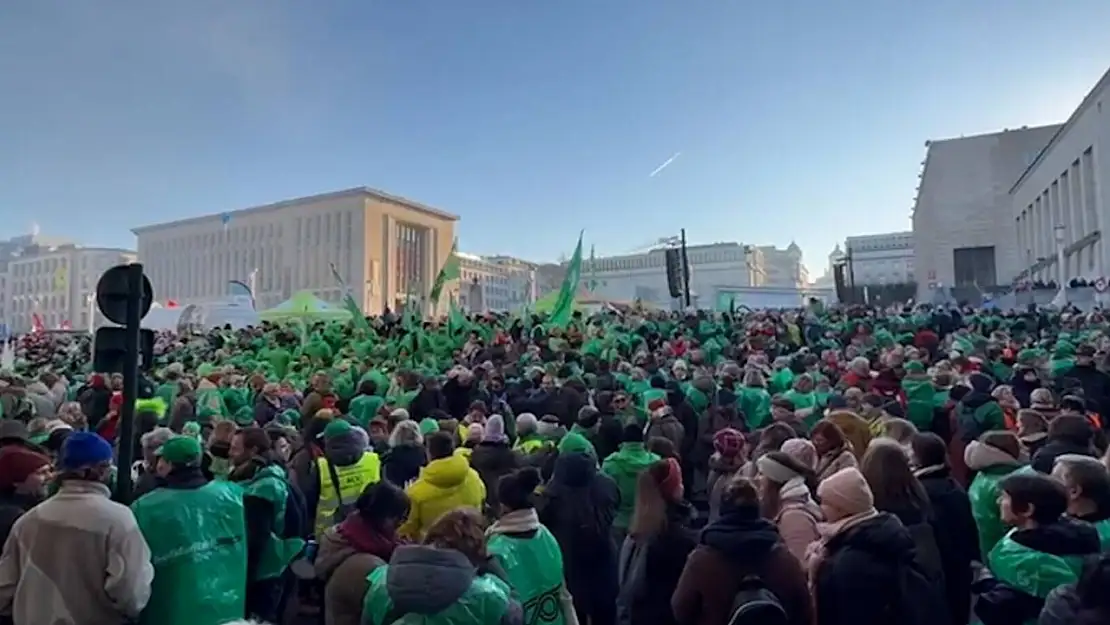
728,442
671,484
17,464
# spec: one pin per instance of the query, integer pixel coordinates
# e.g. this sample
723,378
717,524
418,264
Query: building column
389,244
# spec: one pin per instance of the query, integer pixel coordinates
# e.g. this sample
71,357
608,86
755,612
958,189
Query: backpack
755,604
296,523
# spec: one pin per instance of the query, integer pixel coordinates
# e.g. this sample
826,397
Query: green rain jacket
920,394
984,494
755,403
624,466
269,484
1037,573
198,545
534,565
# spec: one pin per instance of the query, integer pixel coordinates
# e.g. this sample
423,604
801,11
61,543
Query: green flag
456,320
349,300
450,271
564,306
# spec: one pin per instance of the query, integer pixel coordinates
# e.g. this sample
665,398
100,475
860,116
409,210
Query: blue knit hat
84,449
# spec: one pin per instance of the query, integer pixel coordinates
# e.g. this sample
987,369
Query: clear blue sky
531,119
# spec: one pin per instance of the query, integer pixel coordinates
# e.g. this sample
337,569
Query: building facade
58,285
962,202
828,279
1065,192
878,259
11,249
644,276
385,248
495,283
783,268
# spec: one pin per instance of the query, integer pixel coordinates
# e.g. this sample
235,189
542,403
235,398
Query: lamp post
1061,271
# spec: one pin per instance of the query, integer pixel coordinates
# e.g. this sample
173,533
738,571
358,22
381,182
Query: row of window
855,247
200,265
658,260
1069,201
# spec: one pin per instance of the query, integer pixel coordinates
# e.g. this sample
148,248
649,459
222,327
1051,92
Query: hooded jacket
443,485
578,507
992,465
492,461
441,586
737,545
624,467
978,413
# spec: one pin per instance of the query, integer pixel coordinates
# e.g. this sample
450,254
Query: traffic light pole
685,269
126,449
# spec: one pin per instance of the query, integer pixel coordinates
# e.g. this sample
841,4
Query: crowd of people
849,466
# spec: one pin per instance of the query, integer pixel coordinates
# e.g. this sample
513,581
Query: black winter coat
955,531
493,461
1045,457
645,592
869,574
1065,607
578,507
1096,386
402,464
458,397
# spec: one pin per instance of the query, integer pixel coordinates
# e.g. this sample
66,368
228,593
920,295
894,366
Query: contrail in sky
665,164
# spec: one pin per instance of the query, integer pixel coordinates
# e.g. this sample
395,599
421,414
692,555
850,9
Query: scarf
515,522
816,551
365,539
929,470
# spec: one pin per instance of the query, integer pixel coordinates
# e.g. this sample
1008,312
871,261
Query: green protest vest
198,546
535,570
484,603
1103,528
1033,572
269,484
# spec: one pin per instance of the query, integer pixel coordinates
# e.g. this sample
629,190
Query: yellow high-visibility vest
352,479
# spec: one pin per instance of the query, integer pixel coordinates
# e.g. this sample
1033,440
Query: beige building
783,268
58,284
383,246
964,235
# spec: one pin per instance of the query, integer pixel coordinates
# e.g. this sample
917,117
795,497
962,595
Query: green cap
428,426
181,450
335,429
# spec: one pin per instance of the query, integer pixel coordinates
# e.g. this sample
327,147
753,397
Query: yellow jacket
443,485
